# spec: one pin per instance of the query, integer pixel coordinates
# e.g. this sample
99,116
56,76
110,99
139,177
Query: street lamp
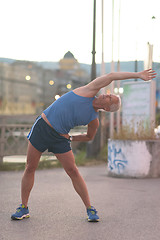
118,90
121,90
51,82
28,77
68,86
57,96
94,146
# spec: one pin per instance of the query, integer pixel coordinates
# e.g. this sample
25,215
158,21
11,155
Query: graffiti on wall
116,159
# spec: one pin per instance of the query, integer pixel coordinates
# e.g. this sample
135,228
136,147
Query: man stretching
51,131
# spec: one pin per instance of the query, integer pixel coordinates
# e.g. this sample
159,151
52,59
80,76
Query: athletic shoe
21,212
92,214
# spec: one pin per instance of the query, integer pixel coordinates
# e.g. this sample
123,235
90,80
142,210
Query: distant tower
68,62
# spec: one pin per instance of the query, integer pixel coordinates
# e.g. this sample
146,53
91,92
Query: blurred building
27,88
70,74
68,62
18,91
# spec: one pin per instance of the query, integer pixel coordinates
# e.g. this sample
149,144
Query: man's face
106,100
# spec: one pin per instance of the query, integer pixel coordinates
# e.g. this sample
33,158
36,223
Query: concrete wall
134,158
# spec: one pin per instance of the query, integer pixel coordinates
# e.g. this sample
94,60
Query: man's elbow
111,76
90,137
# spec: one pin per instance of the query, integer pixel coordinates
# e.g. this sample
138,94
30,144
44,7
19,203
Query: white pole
103,90
112,69
118,68
147,65
103,64
153,89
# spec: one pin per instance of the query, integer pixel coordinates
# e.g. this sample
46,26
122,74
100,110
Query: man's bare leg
68,162
33,157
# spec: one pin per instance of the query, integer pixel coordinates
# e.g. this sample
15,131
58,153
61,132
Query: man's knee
72,171
30,168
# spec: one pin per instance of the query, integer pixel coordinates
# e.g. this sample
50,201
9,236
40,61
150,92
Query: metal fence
13,139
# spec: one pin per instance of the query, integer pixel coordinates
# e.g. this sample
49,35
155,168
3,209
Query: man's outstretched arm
105,80
91,132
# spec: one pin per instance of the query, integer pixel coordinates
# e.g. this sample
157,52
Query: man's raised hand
147,75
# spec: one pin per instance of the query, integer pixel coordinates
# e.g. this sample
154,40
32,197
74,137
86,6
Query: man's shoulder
84,91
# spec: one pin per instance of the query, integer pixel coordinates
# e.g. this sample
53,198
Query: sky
44,30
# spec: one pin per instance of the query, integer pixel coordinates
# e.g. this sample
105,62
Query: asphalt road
128,208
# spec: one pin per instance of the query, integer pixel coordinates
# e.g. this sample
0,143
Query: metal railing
13,139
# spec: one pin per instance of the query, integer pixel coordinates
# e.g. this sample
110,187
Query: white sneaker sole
20,218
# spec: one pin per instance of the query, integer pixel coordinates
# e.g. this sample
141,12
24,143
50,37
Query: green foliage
12,166
158,118
80,158
103,155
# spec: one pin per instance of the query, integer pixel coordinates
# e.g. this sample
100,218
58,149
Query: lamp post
93,147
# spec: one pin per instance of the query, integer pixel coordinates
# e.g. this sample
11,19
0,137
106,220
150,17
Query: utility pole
93,147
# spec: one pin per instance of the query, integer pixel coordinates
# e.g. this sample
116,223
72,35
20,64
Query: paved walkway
129,208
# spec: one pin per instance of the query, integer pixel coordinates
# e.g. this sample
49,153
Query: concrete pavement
129,209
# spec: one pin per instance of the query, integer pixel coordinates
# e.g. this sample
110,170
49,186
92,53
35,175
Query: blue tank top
70,110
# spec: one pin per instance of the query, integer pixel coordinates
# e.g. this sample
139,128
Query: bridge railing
13,139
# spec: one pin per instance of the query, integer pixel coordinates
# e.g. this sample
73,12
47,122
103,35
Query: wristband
70,138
